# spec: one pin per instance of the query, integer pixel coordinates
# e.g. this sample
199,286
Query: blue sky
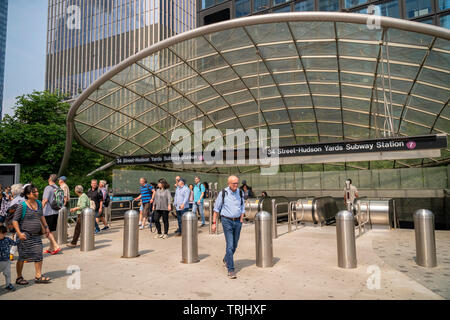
25,49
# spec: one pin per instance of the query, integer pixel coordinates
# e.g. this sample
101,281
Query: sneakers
10,287
202,225
96,231
231,275
71,245
165,236
105,228
141,227
178,234
156,236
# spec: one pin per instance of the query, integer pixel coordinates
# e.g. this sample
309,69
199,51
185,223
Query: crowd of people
28,219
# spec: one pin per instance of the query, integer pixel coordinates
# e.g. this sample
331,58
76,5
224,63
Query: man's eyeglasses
235,183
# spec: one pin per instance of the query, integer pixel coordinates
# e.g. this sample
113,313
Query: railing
362,218
275,216
292,211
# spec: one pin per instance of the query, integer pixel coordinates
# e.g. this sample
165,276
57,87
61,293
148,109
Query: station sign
381,145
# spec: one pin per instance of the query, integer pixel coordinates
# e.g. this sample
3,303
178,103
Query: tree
35,137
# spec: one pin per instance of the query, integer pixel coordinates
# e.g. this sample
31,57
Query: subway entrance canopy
318,77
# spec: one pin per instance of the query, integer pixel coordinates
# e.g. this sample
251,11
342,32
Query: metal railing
362,217
275,216
292,212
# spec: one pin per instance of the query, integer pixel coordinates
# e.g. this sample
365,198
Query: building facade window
417,8
354,3
283,9
207,3
259,5
388,9
242,8
444,4
444,21
328,5
307,5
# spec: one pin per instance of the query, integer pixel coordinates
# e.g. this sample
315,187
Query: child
5,263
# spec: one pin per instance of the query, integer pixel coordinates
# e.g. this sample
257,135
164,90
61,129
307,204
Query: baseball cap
63,178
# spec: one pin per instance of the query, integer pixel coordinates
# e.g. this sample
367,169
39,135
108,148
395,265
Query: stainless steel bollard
425,240
263,239
87,242
189,241
274,219
61,227
131,234
346,244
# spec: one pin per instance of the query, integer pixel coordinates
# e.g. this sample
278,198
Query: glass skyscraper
435,12
3,24
88,37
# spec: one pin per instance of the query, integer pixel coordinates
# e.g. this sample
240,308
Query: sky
25,49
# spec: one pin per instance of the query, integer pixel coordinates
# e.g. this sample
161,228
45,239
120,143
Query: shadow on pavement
51,274
203,256
141,253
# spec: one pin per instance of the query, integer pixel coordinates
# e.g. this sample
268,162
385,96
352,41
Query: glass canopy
316,77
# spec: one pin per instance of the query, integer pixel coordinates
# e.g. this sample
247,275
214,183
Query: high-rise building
88,37
435,12
3,24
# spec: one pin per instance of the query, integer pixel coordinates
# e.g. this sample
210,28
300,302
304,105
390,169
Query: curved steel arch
385,23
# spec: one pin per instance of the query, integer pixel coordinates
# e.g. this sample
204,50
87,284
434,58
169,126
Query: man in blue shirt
231,209
181,202
199,194
147,195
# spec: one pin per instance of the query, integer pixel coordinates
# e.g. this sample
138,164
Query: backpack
107,201
241,193
10,215
58,198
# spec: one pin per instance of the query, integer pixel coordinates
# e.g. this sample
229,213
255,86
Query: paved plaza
305,268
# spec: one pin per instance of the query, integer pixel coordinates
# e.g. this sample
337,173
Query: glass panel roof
314,80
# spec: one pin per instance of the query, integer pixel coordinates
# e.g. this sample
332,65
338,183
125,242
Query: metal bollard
263,239
87,242
346,244
131,234
274,220
61,227
189,241
425,240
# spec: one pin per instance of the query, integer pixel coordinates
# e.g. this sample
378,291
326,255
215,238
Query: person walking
191,196
181,202
29,222
83,203
96,195
147,197
230,205
161,206
350,195
63,185
199,195
17,193
106,201
51,211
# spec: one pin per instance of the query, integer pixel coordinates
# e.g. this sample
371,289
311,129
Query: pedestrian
29,223
350,194
147,195
63,185
17,193
207,193
96,195
181,202
52,202
264,194
106,201
248,192
83,203
5,200
5,264
199,195
161,207
191,196
177,179
230,205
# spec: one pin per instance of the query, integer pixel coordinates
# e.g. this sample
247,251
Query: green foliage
35,138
